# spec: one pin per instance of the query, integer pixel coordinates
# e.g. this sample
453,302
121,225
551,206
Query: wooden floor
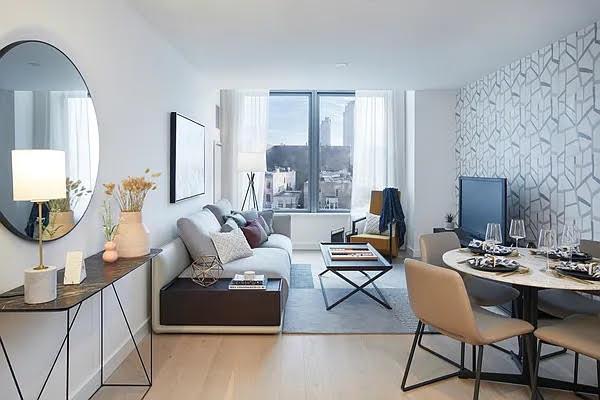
291,367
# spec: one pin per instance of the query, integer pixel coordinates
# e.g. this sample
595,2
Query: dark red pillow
254,233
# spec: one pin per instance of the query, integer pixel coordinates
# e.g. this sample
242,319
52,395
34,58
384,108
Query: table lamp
250,163
39,176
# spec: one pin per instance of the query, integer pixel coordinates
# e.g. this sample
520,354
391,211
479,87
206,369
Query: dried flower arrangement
75,192
132,191
108,225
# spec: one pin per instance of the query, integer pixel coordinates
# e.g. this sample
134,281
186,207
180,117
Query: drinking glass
493,236
546,242
571,238
517,230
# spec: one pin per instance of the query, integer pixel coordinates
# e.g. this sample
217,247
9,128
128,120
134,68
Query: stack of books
351,254
240,283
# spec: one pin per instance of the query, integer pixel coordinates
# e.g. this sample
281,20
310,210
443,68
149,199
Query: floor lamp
251,163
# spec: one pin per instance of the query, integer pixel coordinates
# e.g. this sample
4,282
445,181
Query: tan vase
110,254
133,238
60,224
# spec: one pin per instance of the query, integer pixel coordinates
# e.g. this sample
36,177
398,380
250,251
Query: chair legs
418,334
438,355
535,372
416,341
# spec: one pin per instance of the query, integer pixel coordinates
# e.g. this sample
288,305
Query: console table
100,276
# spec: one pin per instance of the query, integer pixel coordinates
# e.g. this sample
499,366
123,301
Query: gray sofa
273,259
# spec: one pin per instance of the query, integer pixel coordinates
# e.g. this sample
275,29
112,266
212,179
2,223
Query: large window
309,151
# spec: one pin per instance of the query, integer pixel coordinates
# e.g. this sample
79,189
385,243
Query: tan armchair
386,244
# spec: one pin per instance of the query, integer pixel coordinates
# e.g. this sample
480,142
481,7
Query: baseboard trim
86,389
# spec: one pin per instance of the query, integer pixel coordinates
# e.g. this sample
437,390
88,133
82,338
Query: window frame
314,147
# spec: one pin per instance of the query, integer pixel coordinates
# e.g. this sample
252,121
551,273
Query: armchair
386,243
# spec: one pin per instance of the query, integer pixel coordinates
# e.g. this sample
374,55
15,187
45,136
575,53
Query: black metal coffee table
380,267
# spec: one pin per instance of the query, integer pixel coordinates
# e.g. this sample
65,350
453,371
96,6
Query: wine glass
570,238
517,230
546,242
493,236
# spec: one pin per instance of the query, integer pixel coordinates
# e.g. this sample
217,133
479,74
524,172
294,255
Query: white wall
308,230
431,166
136,79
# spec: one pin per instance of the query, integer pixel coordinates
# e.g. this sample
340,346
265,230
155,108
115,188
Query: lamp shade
252,162
38,175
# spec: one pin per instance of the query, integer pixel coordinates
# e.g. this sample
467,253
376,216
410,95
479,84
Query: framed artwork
188,152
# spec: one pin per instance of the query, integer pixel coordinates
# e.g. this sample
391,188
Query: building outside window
309,151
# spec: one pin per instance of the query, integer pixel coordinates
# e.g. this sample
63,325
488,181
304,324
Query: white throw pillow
372,225
231,245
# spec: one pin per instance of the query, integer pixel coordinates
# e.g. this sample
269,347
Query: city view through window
290,137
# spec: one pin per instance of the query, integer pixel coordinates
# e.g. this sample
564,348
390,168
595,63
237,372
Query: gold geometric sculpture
206,270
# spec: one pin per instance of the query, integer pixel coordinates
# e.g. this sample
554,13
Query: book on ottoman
239,282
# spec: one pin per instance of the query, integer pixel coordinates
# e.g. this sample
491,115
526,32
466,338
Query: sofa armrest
282,224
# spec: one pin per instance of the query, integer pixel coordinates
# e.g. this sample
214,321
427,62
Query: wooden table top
99,276
536,277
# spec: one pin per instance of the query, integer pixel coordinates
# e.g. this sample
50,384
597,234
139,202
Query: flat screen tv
481,201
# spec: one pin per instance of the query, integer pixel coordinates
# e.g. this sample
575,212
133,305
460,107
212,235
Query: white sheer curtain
244,127
378,160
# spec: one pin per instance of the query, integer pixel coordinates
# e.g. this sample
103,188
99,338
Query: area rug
305,313
301,277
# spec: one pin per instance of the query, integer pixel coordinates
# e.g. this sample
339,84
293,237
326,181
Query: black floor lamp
251,163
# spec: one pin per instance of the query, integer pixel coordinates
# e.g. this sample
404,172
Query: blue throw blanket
391,212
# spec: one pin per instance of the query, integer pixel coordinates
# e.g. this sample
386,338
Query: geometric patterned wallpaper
537,123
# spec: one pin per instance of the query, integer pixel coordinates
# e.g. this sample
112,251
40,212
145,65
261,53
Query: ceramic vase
133,238
449,226
110,254
61,223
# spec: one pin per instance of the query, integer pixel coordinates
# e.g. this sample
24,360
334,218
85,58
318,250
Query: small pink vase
110,254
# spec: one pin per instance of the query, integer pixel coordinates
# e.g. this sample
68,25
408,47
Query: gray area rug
301,277
305,313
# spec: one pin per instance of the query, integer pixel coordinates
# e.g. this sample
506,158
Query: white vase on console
133,238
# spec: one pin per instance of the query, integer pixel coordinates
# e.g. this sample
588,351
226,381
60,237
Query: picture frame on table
187,158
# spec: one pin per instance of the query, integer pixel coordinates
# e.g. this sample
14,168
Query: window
309,151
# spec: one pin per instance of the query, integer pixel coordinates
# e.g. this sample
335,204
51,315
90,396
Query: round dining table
532,277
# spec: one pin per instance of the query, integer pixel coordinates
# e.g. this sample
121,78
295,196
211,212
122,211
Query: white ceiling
417,44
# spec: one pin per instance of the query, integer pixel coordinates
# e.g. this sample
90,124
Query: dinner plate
577,257
480,251
489,267
578,274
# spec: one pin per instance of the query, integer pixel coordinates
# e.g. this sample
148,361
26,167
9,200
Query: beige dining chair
482,292
438,298
578,333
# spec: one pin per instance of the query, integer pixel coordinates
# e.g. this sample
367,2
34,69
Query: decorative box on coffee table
182,302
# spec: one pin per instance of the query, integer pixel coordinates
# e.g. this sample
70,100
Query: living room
238,200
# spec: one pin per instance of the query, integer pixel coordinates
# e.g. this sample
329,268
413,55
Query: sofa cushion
254,233
229,225
231,245
264,225
237,217
274,263
220,209
268,216
195,232
249,215
277,241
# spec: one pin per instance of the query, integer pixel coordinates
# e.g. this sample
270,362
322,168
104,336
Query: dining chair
578,333
482,292
439,298
560,303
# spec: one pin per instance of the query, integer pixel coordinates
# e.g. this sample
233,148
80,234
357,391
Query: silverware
466,260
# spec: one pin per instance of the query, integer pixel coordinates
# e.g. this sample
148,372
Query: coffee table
379,267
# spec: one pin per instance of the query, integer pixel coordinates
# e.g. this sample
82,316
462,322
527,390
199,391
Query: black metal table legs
65,345
358,288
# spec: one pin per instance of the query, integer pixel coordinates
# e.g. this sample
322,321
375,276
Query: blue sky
288,118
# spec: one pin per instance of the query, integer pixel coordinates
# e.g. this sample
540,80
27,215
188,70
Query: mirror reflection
45,104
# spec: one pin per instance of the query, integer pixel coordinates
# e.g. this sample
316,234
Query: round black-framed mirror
45,103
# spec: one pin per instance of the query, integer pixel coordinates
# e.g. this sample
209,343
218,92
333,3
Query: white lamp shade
38,175
252,162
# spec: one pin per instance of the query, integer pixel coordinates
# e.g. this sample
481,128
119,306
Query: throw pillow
261,221
221,209
229,225
249,215
268,216
195,232
238,218
231,245
255,234
372,224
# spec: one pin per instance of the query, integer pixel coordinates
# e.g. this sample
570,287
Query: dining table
535,273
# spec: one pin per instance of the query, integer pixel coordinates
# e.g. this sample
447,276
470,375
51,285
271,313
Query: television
481,201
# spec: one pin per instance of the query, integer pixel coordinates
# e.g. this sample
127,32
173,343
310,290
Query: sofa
272,258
